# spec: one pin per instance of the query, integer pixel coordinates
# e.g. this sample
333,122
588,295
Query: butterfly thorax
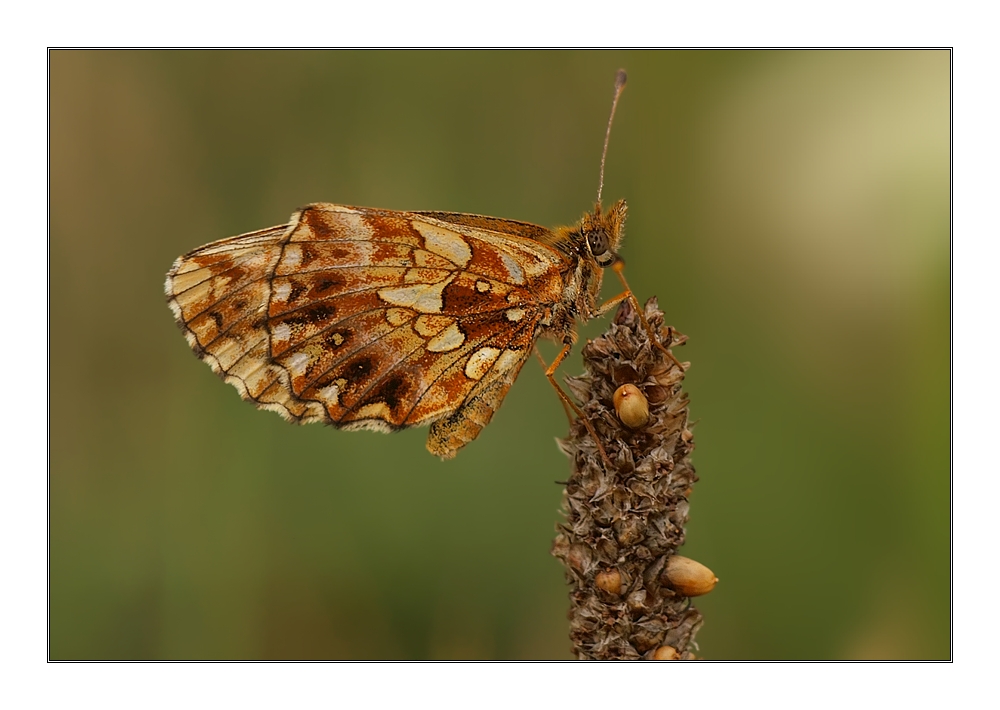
589,246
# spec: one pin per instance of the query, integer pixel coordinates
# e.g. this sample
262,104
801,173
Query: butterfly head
602,232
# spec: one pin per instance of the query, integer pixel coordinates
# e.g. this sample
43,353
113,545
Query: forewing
370,318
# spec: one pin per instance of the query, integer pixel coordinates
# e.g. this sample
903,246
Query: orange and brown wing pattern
370,318
219,296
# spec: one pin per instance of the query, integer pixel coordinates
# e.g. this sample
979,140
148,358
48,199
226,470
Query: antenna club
620,78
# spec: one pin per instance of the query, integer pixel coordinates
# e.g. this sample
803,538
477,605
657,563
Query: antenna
620,78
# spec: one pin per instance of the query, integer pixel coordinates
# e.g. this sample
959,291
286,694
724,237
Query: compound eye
598,243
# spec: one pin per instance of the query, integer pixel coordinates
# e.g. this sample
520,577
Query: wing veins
430,386
348,317
341,358
466,348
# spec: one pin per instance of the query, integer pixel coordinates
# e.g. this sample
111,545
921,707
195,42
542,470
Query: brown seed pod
631,406
690,578
666,653
610,581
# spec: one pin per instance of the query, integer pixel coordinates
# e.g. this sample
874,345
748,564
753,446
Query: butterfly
378,319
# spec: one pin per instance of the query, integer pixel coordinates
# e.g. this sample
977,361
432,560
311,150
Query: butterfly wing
219,295
371,318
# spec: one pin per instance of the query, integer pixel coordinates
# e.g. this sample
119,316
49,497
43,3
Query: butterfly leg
618,266
566,409
568,402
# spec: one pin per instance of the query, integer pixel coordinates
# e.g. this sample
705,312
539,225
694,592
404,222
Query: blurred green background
789,209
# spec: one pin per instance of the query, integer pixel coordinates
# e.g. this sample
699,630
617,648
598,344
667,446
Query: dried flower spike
628,517
690,578
632,406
